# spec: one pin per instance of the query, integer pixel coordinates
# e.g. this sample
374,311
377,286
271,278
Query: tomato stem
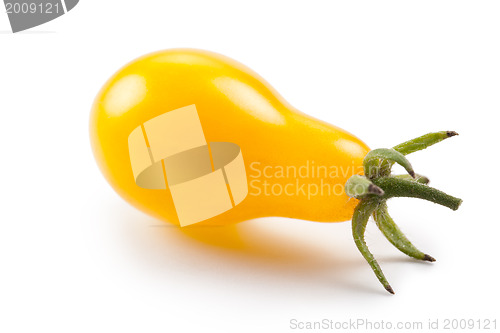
394,235
358,186
397,187
372,162
360,218
423,142
415,145
378,185
418,178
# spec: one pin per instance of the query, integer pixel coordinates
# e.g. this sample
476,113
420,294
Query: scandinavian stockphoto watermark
430,324
26,14
308,179
170,152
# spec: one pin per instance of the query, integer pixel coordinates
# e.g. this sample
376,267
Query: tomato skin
236,105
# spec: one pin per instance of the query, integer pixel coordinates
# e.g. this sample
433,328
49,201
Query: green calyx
378,185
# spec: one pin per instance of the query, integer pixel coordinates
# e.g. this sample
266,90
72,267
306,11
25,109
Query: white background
74,257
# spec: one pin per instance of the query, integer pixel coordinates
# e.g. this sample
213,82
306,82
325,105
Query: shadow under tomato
258,242
275,253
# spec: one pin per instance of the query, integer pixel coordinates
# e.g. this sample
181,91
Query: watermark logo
308,180
26,14
204,179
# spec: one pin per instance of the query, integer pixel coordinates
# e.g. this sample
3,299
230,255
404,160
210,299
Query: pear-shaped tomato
295,165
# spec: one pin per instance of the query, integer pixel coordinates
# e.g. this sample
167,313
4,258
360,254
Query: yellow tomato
296,166
192,137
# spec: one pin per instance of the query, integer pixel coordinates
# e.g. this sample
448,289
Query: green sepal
374,159
358,186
